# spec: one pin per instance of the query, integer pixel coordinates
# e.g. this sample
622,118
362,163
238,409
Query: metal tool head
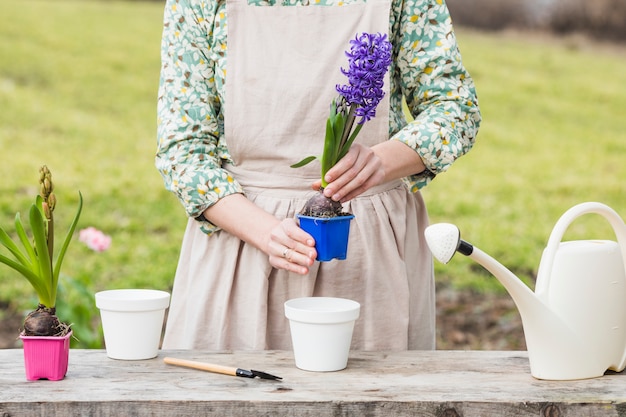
259,374
265,375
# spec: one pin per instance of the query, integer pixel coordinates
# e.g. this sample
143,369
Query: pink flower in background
95,239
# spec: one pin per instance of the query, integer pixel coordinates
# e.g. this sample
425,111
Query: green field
78,87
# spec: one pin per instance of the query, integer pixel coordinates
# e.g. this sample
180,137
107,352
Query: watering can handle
547,261
545,267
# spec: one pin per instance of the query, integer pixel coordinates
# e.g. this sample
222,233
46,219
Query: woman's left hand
363,168
358,171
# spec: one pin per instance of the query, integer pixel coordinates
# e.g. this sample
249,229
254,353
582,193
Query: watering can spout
444,240
567,335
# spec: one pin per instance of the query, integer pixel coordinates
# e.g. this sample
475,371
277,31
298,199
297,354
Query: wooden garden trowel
220,369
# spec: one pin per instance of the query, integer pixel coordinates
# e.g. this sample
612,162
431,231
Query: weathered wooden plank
310,409
414,383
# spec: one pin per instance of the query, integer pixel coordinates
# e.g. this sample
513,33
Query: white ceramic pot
132,322
321,331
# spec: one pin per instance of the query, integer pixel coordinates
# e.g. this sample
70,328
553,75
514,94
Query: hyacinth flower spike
369,58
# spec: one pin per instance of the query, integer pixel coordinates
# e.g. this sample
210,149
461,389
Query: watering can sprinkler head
444,239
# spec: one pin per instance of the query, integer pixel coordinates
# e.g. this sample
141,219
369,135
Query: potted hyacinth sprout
45,337
369,58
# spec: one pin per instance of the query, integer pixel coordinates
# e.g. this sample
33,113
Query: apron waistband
289,186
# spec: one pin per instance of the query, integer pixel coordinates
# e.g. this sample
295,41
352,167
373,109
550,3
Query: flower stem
348,126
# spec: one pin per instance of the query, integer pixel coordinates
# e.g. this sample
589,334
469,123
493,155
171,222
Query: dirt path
465,321
470,321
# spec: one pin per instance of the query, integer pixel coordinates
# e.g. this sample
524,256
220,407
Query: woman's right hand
291,248
286,244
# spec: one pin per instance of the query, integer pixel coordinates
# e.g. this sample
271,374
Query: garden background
78,88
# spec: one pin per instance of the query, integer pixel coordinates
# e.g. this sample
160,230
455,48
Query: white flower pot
321,331
132,322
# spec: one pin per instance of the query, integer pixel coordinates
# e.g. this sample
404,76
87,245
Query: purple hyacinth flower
369,58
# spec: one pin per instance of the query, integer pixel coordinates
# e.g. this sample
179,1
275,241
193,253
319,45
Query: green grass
553,136
78,87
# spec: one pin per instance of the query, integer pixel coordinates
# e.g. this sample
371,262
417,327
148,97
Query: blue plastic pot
330,234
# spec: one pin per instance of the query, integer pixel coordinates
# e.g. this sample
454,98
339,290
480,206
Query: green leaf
28,268
327,155
333,110
34,279
38,227
21,233
338,133
39,204
8,243
66,243
304,161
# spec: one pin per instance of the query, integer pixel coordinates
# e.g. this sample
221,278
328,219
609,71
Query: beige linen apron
283,64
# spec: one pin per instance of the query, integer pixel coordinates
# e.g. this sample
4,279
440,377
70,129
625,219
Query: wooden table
435,383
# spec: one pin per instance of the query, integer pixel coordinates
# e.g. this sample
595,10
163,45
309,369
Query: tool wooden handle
220,369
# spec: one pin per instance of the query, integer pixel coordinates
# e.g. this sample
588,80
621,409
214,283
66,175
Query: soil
11,323
465,321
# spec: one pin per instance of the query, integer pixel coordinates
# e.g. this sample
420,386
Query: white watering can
575,321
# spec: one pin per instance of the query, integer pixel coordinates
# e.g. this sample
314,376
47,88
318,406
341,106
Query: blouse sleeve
439,92
190,121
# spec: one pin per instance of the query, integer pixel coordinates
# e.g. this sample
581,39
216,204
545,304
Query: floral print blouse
426,70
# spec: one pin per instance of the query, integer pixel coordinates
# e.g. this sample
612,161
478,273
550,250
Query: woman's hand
287,246
291,248
363,168
359,170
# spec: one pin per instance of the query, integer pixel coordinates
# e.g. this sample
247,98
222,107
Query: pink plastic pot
46,357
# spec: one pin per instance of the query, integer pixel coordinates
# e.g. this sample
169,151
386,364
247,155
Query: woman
244,93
